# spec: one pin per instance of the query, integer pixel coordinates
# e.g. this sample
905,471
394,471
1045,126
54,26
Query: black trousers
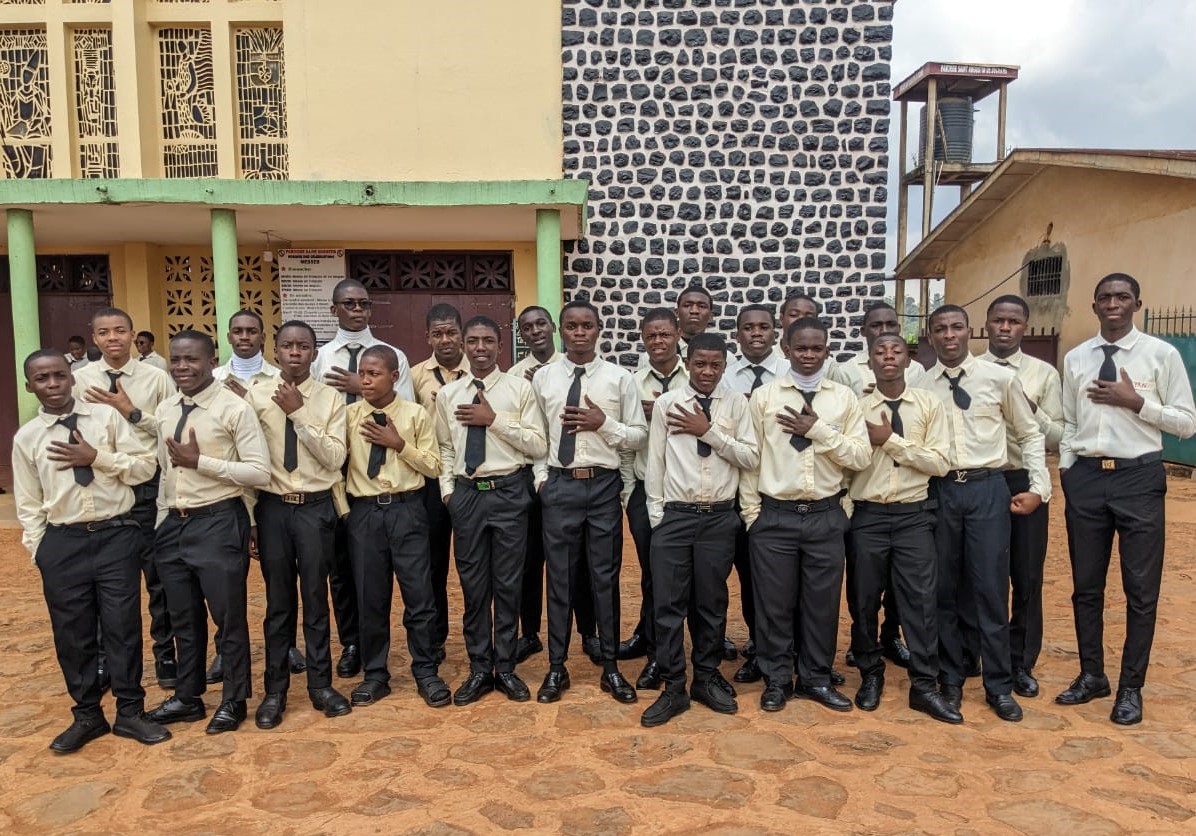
145,512
295,545
691,560
797,562
1130,503
490,531
531,603
641,535
203,562
389,542
890,628
743,569
342,589
1027,556
894,551
972,540
440,535
90,578
585,511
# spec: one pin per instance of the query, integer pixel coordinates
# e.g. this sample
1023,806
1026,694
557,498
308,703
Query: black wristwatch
135,416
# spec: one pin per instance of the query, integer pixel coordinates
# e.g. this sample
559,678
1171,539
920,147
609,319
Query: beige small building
1047,224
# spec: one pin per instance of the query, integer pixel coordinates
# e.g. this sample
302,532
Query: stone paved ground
586,766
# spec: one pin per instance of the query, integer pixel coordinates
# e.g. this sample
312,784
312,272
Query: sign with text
306,278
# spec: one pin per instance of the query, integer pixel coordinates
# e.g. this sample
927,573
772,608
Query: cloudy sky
1094,73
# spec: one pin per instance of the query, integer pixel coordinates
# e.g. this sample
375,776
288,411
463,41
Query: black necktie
112,378
475,438
184,411
703,447
353,350
800,442
1108,369
290,448
377,451
84,474
758,371
895,422
958,394
664,380
568,445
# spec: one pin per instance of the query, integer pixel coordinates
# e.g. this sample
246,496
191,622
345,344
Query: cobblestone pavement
585,765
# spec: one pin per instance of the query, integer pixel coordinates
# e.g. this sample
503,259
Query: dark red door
399,318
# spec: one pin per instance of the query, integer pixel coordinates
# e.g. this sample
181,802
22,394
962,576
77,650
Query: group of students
343,468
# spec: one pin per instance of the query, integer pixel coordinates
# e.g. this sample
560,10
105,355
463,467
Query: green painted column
22,271
225,276
548,260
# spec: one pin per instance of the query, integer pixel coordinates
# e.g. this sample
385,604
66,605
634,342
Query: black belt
801,506
582,472
961,476
207,510
1108,463
384,499
297,498
895,507
701,507
493,482
122,521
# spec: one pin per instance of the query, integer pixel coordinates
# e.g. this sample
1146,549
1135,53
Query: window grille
1044,276
24,104
187,103
95,103
261,103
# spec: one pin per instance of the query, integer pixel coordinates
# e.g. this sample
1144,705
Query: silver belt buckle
380,497
961,477
292,498
802,508
703,507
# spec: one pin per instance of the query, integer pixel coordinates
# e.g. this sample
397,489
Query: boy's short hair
707,342
804,324
384,353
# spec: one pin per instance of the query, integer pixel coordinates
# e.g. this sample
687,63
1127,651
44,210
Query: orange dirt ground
585,765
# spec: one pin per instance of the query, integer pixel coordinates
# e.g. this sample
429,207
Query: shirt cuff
104,461
208,466
1151,413
821,431
301,416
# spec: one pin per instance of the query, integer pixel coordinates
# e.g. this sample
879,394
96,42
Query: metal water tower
949,92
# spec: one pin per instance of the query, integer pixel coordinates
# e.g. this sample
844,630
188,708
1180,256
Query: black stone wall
739,143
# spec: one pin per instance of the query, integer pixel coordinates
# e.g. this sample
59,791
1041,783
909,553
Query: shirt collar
1126,343
489,380
344,338
968,365
81,407
590,367
1014,360
719,391
875,397
788,381
204,398
129,368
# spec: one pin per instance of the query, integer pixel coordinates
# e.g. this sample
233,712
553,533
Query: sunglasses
353,304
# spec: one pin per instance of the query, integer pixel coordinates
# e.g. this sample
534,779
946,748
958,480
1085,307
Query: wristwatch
135,416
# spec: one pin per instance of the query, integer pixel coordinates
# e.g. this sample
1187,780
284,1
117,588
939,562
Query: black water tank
955,123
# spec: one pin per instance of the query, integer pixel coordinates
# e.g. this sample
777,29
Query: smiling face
755,333
246,337
660,341
537,329
579,331
294,350
888,359
1115,305
351,307
949,333
50,381
191,364
693,312
481,347
705,368
807,350
1006,325
113,336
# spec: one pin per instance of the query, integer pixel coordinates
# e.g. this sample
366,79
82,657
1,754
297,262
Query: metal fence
1176,326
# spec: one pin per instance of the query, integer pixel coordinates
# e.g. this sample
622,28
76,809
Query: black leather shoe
971,666
554,684
730,654
711,694
1024,683
749,649
618,687
935,705
296,660
528,646
167,673
216,672
1005,706
349,663
79,734
649,678
896,652
435,691
749,671
953,694
592,648
177,710
369,692
511,685
633,648
329,700
824,694
1084,688
868,697
1127,709
227,718
849,659
269,713
475,686
141,729
667,706
837,678
718,681
103,678
774,697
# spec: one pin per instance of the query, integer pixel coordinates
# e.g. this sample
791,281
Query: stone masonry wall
737,143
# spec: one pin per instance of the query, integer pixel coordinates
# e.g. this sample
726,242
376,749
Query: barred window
187,102
1044,276
261,103
24,104
95,103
